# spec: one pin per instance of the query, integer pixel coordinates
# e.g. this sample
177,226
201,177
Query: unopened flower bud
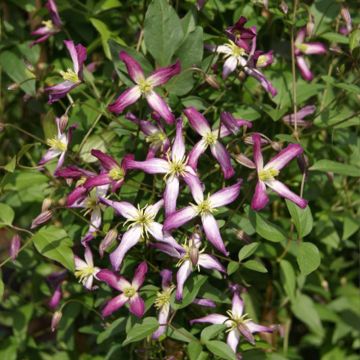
64,119
242,235
347,18
249,140
15,246
42,218
110,237
245,161
303,163
205,302
55,320
284,7
46,204
13,86
211,80
310,26
276,146
55,298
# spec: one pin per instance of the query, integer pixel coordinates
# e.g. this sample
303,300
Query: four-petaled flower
85,271
129,291
72,77
237,322
145,86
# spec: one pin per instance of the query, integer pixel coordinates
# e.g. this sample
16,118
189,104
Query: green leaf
191,289
335,37
113,329
288,278
194,349
265,228
163,32
247,250
2,286
232,267
255,265
351,225
10,166
336,167
55,244
308,257
98,142
302,218
141,330
180,334
6,215
354,40
221,349
212,331
16,70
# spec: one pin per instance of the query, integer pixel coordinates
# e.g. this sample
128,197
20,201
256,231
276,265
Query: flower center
143,219
210,138
236,50
145,86
91,203
163,297
302,47
84,273
261,61
48,24
237,320
116,173
177,168
57,144
269,174
129,292
204,207
156,138
70,75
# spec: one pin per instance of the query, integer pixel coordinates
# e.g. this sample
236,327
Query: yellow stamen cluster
236,50
57,144
237,320
191,253
129,292
143,219
48,24
163,297
268,174
145,86
177,167
70,75
116,173
204,207
85,273
302,47
261,61
210,138
156,138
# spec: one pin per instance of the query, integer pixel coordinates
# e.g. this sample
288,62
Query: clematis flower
301,48
129,291
154,135
15,246
345,14
300,115
209,138
85,271
50,27
162,302
241,35
237,323
205,209
145,86
58,145
232,124
266,175
190,258
72,77
55,298
91,204
113,173
142,222
175,167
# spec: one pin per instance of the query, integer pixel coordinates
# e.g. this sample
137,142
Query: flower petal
258,158
168,249
229,66
94,181
76,196
171,194
107,161
137,305
237,305
115,281
212,232
260,197
195,186
128,97
49,155
315,48
233,339
226,195
253,327
205,302
212,319
304,69
151,166
156,230
134,69
124,208
210,262
163,75
196,152
158,104
114,304
179,218
73,54
183,273
285,192
166,278
284,157
197,121
88,256
264,82
178,147
139,276
162,319
223,157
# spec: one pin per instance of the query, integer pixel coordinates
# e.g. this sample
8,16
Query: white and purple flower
85,270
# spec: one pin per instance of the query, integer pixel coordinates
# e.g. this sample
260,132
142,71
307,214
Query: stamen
85,273
145,86
210,138
268,174
163,297
70,75
57,144
116,173
129,292
48,24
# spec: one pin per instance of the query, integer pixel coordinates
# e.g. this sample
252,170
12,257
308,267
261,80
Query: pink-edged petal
151,166
76,196
195,186
316,48
158,104
196,152
300,36
152,210
210,262
54,14
253,327
284,157
55,298
124,208
114,304
230,65
226,195
139,276
197,121
129,240
73,54
258,158
134,69
303,112
127,98
115,281
171,194
286,193
94,181
233,339
73,172
237,305
60,161
260,198
79,263
137,305
88,256
264,82
244,160
95,220
81,56
183,273
205,302
156,230
232,124
223,157
304,69
179,218
107,162
212,319
212,232
168,249
166,278
178,148
163,75
162,319
49,155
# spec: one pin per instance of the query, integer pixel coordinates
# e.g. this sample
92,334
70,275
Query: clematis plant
300,115
175,167
129,291
85,271
142,222
50,27
190,258
145,87
238,323
205,209
72,77
266,175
